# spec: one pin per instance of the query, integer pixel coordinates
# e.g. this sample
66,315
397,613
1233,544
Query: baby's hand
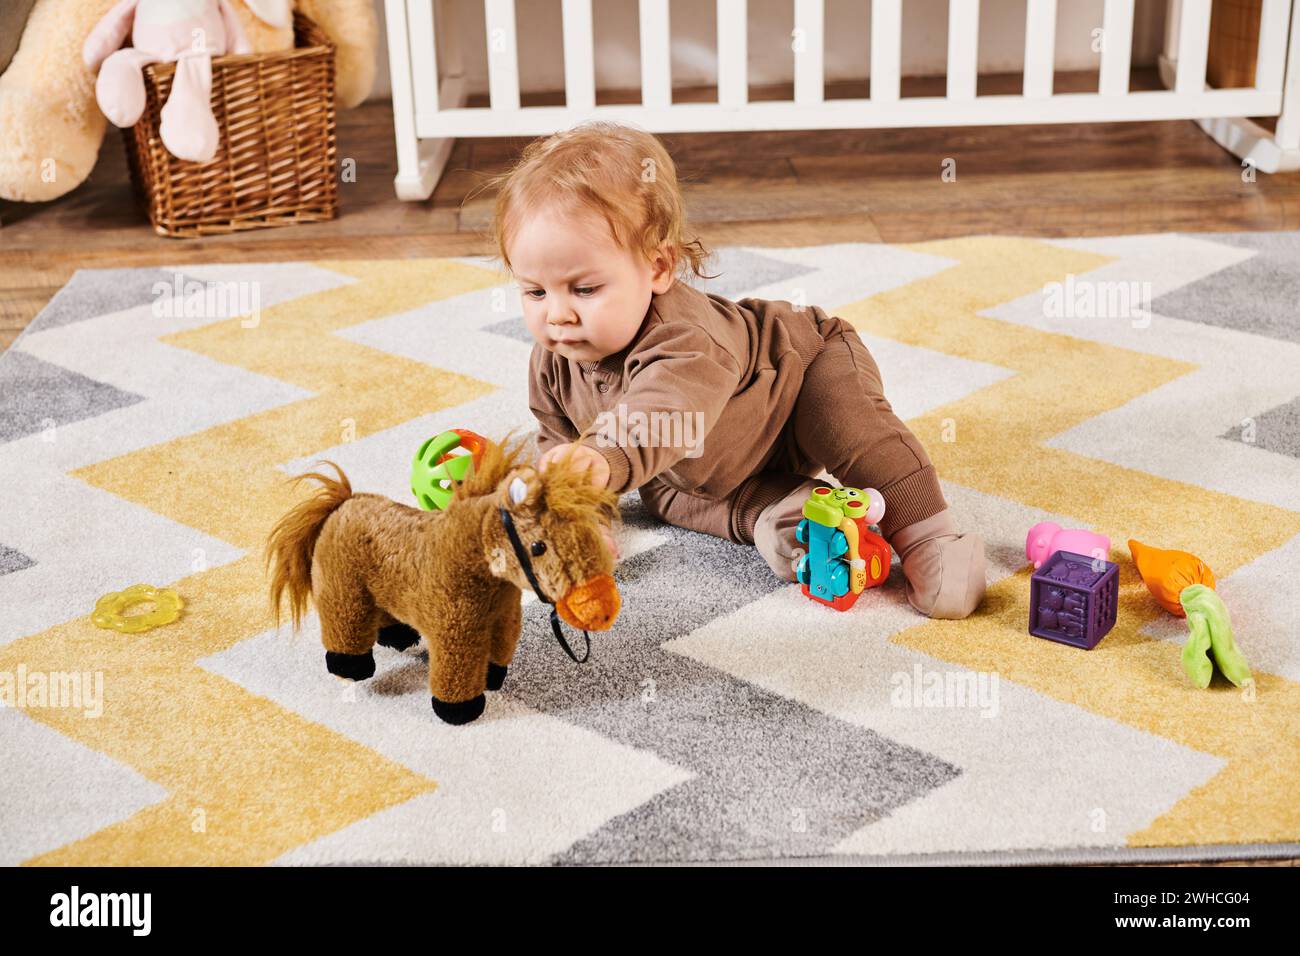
585,458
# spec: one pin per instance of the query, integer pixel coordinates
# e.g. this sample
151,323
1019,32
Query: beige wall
848,38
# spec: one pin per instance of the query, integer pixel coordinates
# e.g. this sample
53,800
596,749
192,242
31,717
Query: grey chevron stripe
1276,430
772,776
1257,295
12,560
94,292
40,395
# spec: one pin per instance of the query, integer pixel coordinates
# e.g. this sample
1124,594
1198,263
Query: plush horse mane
568,495
499,459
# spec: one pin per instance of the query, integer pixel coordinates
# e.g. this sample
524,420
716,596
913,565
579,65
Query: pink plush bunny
189,32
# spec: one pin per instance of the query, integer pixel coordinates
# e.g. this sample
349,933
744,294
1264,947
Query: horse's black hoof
351,666
398,636
496,676
461,713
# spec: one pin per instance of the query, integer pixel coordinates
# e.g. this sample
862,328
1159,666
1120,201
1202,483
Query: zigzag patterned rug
1144,386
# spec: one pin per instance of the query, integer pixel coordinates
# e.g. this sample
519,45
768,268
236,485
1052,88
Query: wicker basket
1234,43
276,162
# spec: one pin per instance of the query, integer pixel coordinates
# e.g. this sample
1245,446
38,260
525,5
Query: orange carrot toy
1183,584
1166,573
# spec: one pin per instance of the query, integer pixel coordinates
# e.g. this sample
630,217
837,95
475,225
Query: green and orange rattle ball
442,462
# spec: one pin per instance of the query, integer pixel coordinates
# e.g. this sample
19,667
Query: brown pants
841,424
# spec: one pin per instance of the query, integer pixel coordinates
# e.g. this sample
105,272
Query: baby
757,397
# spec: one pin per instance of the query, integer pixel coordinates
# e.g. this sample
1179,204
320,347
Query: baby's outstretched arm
678,379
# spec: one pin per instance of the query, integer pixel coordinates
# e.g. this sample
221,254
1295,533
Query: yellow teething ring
110,610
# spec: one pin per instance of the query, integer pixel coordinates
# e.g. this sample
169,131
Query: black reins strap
527,565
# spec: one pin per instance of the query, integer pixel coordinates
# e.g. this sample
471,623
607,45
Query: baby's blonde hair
621,174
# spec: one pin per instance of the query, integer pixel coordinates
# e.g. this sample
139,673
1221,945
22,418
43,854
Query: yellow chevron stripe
265,779
1000,449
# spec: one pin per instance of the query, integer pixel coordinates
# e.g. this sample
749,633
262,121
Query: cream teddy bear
50,124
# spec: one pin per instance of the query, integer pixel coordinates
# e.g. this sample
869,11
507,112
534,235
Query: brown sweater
727,373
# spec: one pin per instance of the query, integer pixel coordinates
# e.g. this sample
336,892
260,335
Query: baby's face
583,296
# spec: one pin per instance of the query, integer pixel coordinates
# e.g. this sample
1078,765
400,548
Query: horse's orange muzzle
591,605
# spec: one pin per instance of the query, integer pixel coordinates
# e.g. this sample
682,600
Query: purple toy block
1072,603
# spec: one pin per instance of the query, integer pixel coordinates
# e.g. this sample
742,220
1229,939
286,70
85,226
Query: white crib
429,97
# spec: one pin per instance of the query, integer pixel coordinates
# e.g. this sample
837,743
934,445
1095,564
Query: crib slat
1271,59
404,110
733,47
1040,47
808,43
1117,48
424,55
656,78
963,48
579,56
1193,46
1288,121
886,48
503,60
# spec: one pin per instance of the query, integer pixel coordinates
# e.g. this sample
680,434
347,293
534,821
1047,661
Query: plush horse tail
293,540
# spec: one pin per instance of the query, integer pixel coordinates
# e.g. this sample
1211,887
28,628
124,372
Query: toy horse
383,572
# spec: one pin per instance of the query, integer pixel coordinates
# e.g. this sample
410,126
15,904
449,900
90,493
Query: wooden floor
765,188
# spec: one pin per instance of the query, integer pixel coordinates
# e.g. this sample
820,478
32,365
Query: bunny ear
108,34
276,13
